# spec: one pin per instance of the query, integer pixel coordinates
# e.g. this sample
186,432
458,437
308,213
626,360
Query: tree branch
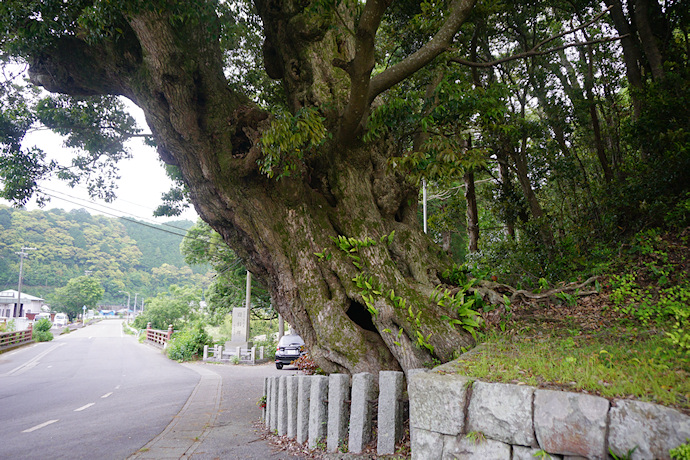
361,66
531,53
535,50
390,77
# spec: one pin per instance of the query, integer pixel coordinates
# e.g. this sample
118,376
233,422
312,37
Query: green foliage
123,254
289,140
84,291
201,246
681,452
41,330
188,344
460,304
171,307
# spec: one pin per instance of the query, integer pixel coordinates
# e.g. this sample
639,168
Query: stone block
465,448
318,410
282,406
291,406
426,445
502,412
530,453
265,395
338,410
650,428
303,394
437,402
361,411
571,423
390,411
274,404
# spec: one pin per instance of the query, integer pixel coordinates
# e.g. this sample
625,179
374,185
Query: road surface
93,393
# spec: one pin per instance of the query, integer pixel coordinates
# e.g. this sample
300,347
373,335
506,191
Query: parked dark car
290,347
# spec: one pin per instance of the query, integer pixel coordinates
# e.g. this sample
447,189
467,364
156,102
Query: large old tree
304,197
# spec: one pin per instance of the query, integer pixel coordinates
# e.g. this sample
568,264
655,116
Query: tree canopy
81,292
301,132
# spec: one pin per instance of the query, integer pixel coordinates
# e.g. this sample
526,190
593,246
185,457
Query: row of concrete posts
326,410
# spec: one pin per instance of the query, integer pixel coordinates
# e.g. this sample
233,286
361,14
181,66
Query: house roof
10,296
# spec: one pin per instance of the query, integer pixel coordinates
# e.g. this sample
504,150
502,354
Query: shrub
269,348
42,330
188,344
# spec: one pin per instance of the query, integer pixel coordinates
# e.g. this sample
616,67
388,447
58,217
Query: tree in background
84,291
176,306
202,246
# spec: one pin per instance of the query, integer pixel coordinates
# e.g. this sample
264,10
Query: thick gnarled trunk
364,307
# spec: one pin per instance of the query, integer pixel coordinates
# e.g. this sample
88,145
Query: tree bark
472,214
364,307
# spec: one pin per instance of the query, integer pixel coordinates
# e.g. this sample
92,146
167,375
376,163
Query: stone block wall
453,417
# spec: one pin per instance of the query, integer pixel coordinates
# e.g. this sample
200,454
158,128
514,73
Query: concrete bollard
282,405
253,355
205,358
338,410
390,413
318,406
265,396
292,406
269,389
274,404
361,411
303,395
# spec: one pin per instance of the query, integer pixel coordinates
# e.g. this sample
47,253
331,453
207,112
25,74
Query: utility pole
125,292
21,255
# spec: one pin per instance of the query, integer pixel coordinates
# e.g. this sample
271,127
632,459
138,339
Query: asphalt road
93,393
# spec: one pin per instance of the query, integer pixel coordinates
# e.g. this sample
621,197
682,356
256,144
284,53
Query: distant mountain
126,255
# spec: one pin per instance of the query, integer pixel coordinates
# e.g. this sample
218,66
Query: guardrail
157,337
16,338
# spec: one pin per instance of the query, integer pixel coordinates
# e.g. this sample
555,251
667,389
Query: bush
188,344
42,330
269,348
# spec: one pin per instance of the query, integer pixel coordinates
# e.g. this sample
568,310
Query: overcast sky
142,181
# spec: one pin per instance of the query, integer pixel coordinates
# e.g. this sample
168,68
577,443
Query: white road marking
33,361
38,427
106,395
84,407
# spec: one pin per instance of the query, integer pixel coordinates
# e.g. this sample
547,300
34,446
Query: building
8,304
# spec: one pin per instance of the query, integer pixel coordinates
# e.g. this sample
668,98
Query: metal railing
157,337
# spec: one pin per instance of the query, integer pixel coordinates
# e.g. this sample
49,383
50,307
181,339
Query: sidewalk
217,422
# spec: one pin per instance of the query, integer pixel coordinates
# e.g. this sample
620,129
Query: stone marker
390,413
361,411
240,330
303,395
338,410
318,407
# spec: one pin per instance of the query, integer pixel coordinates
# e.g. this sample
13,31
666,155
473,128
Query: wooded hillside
126,255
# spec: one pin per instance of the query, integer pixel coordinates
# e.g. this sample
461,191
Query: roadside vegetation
629,337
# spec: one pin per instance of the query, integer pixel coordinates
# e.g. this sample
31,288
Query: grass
605,364
630,339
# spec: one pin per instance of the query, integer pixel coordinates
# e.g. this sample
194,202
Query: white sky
139,189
